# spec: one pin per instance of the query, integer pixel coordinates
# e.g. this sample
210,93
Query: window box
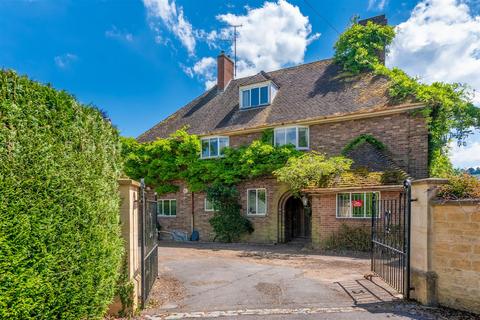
356,204
257,202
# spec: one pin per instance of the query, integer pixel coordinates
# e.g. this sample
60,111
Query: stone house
314,107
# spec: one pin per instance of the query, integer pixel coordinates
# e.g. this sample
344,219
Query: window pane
343,205
166,207
368,204
264,95
204,148
358,205
173,207
213,147
292,136
255,92
252,195
246,98
279,137
303,137
208,205
261,201
223,142
160,207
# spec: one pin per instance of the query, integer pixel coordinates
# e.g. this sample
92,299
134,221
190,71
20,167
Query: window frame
256,202
209,138
258,86
275,130
170,206
350,201
205,206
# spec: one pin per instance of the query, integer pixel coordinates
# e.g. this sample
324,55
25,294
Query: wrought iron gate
391,240
149,245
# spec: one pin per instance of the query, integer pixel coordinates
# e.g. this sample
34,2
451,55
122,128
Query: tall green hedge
60,245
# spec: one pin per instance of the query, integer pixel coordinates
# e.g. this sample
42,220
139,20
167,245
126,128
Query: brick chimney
224,71
381,20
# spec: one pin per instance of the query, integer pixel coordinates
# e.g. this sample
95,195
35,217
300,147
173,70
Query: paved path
269,282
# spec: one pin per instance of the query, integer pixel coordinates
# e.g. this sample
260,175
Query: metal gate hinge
412,200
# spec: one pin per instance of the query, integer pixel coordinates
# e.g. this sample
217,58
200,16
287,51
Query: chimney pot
224,71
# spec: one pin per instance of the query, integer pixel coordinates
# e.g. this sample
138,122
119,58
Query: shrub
227,222
463,186
349,238
60,245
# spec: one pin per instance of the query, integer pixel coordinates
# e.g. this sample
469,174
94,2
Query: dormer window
257,95
297,136
213,147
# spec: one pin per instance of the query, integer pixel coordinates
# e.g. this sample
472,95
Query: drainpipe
193,212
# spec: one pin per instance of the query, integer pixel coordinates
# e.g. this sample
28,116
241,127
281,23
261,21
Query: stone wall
130,194
456,253
445,249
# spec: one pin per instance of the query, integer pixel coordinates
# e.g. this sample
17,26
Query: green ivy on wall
448,109
363,138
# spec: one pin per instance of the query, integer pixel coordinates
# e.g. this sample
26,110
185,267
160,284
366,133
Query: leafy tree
60,244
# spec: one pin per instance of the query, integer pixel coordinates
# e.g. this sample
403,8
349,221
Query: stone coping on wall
126,181
459,202
430,181
358,188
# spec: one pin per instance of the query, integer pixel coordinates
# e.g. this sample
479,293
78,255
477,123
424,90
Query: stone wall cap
459,202
126,181
430,181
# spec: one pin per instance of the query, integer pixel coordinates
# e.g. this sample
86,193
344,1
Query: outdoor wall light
305,201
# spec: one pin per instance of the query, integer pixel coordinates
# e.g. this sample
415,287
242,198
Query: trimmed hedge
60,245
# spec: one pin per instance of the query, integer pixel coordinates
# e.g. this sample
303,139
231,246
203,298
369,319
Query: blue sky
141,60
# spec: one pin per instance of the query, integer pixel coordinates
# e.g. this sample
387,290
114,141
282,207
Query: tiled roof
312,90
371,167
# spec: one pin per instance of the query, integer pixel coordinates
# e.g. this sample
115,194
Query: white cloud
465,156
114,33
271,37
173,19
65,60
439,42
205,70
376,4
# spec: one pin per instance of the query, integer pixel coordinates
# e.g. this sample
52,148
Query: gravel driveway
205,280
